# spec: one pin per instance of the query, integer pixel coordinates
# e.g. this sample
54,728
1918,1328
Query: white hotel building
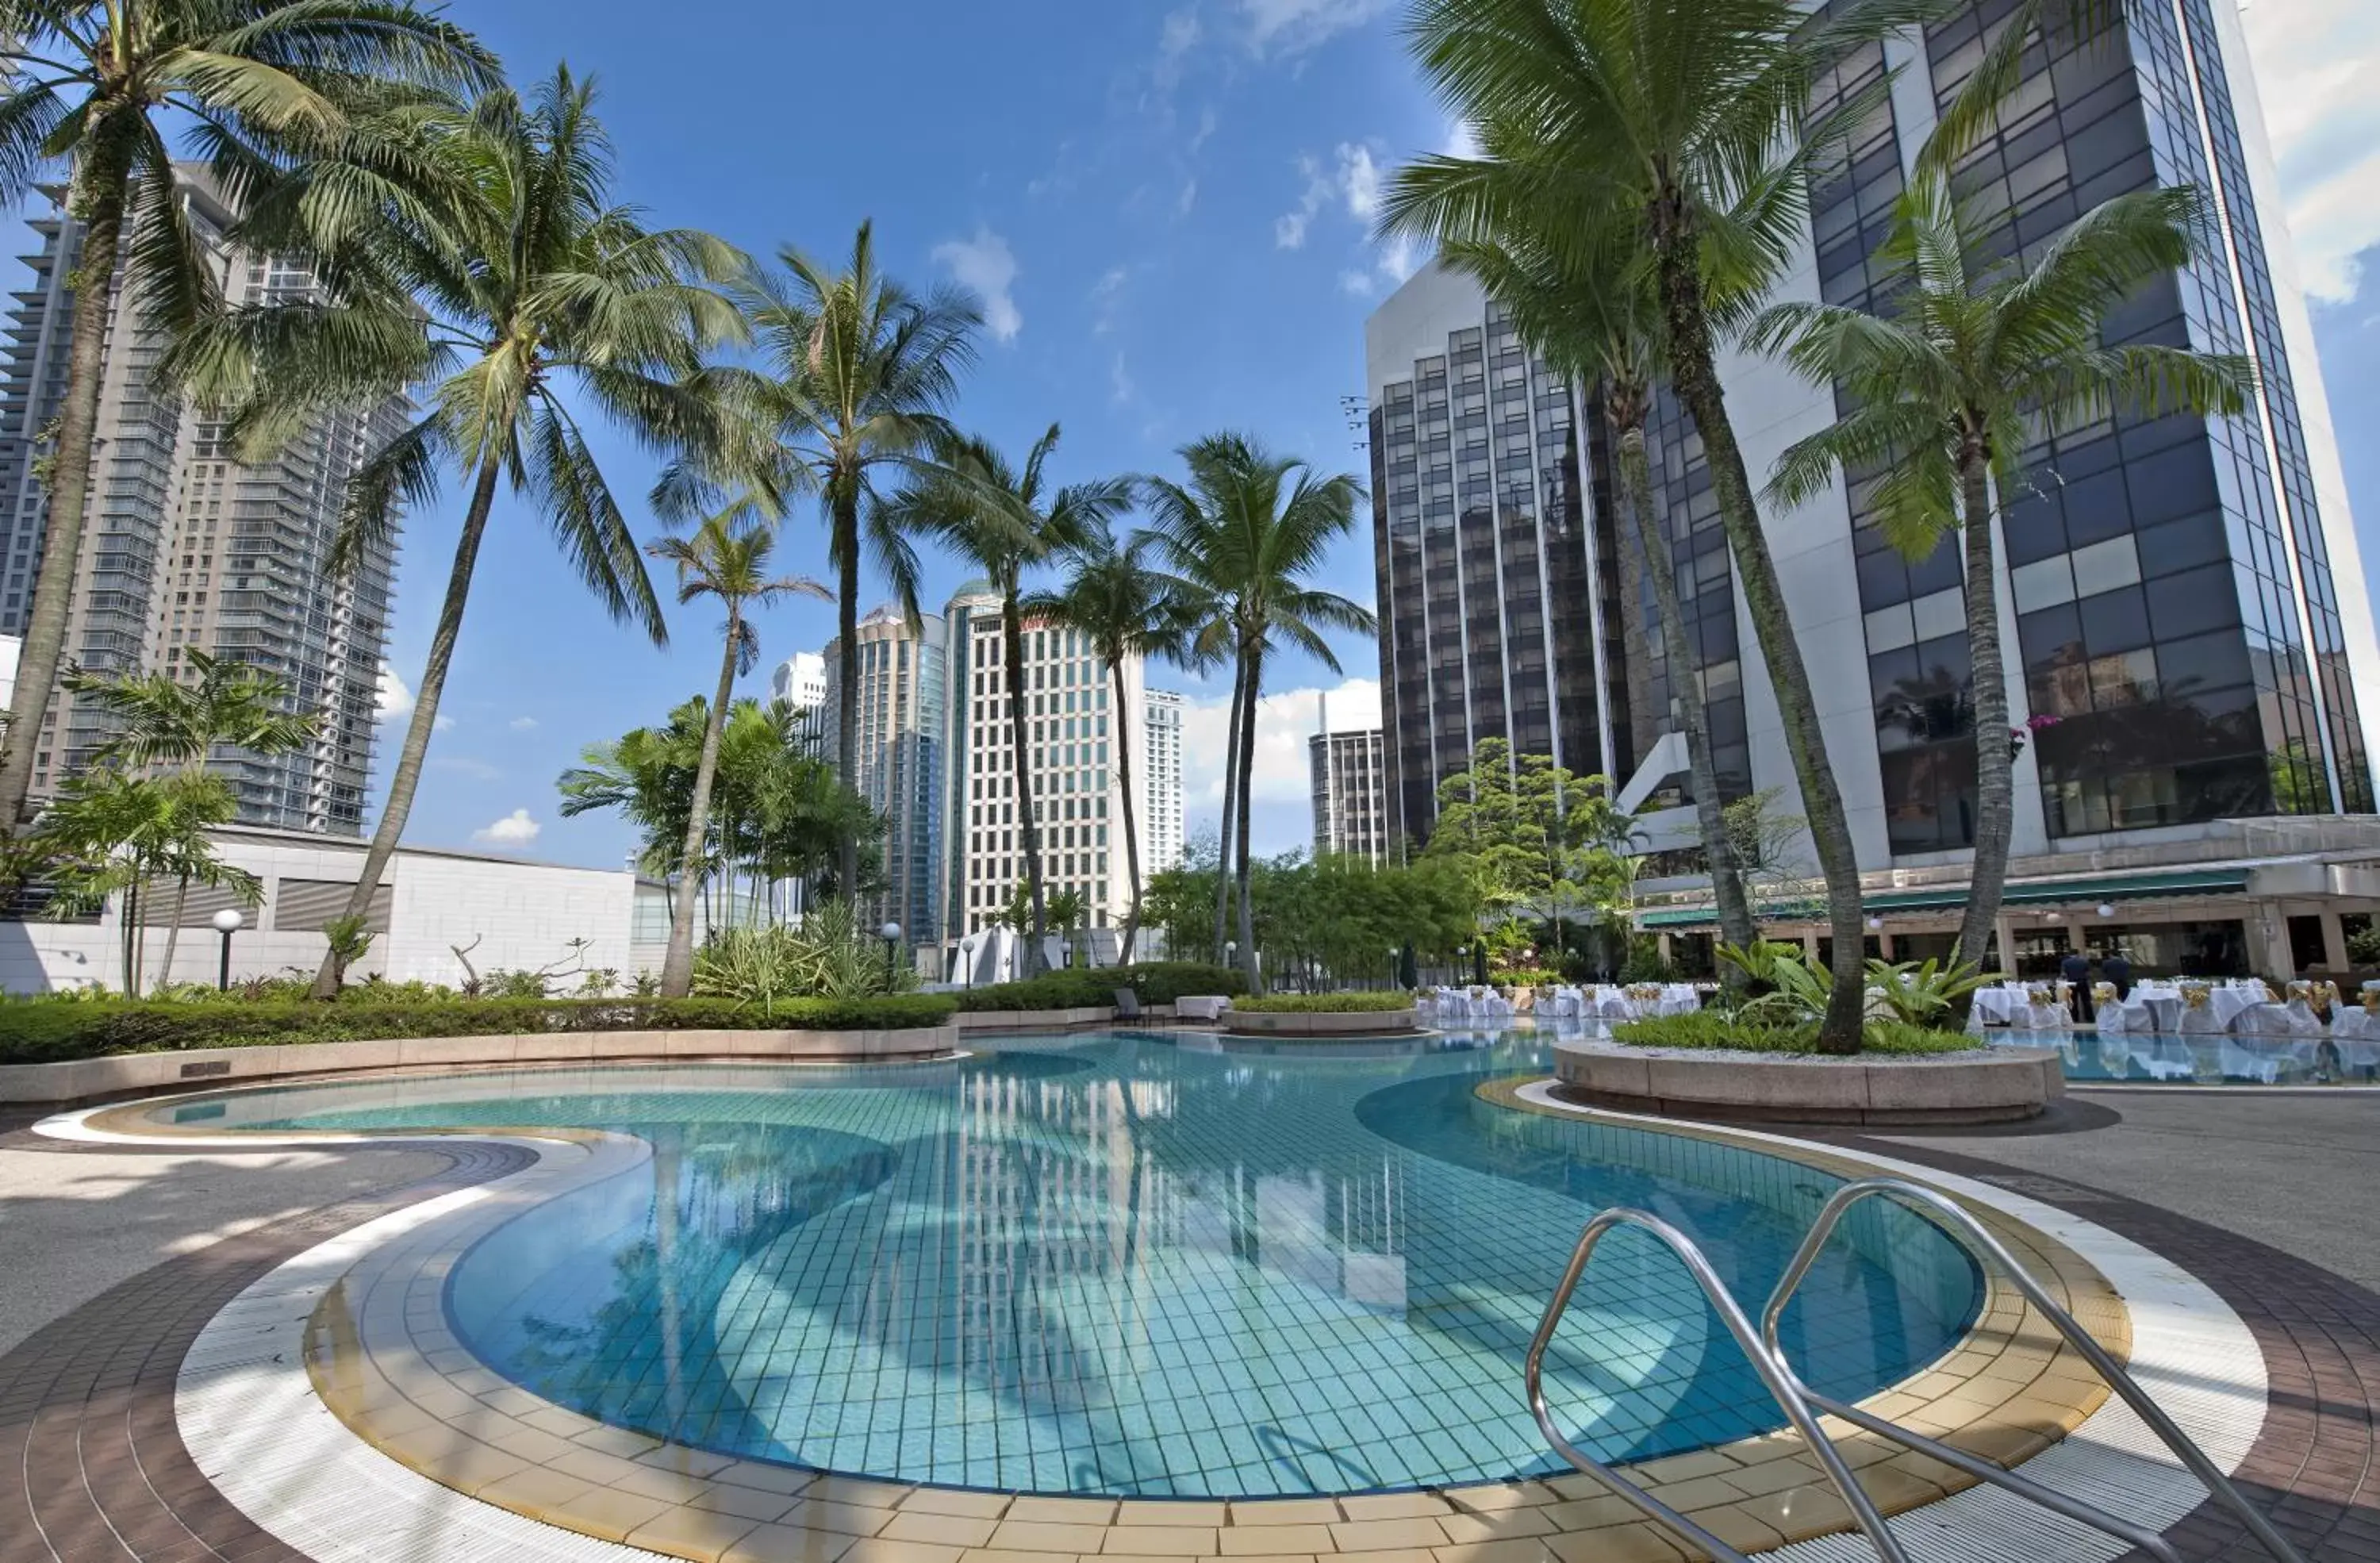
1161,782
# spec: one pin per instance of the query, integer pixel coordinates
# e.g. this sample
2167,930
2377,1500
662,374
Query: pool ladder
1803,1405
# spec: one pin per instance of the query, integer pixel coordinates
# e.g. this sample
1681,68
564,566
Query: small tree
110,833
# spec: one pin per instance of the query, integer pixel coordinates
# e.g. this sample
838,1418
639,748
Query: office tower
1161,782
1350,802
1079,793
800,683
903,673
1499,603
185,548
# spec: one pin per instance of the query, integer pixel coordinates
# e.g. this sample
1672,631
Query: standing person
2118,971
2076,970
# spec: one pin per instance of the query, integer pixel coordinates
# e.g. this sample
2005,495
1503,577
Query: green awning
2116,888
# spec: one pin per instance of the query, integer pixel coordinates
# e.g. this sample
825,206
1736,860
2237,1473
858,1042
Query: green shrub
1526,976
44,1032
1325,1003
1088,987
1742,1034
825,956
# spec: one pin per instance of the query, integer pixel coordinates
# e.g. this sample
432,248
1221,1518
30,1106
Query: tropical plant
259,84
827,955
1798,989
1005,521
536,283
1923,992
1975,352
1241,540
1127,612
728,558
1690,121
347,938
1765,843
855,373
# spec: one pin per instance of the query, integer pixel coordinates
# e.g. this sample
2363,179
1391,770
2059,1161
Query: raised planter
1997,1086
128,1074
1335,1023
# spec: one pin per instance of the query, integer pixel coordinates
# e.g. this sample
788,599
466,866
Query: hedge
1087,987
49,1031
1326,1004
1708,1029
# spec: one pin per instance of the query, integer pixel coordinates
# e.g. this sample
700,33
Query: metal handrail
1961,1227
1765,1361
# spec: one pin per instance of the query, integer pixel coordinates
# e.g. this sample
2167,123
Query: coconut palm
1005,521
1127,611
256,82
728,558
537,284
1241,540
1689,121
855,373
1975,353
1587,313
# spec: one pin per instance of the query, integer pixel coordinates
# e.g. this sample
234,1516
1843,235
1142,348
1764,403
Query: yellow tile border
381,1357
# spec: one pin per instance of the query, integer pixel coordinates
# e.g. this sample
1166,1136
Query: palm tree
1587,313
172,722
1004,522
1973,354
1126,610
1684,119
856,374
258,82
728,558
535,283
1242,539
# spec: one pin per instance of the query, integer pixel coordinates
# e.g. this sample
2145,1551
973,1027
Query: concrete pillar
2268,941
1810,945
2004,929
2334,943
1884,944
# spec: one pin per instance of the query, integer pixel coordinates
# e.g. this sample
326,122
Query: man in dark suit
2118,971
2076,969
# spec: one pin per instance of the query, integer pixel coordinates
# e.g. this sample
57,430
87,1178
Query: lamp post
891,933
227,923
966,958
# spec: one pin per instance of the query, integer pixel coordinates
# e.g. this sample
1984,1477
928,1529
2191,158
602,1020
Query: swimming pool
1141,1264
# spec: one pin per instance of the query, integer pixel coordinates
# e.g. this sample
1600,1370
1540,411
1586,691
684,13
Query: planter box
1325,1024
2010,1083
130,1074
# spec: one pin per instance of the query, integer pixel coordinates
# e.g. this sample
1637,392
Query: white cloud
1351,180
1107,300
2318,74
1400,258
1284,721
1462,139
441,723
523,724
1359,177
516,828
1180,34
1207,122
985,267
1187,198
1290,27
395,698
1119,387
1357,284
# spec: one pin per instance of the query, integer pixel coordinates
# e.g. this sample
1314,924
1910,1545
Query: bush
1527,976
37,1032
1090,987
824,957
1713,1030
1326,1003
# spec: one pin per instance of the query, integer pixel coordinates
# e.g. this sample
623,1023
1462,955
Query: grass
1325,1003
1094,988
1711,1030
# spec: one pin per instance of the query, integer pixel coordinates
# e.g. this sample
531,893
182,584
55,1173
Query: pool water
1138,1264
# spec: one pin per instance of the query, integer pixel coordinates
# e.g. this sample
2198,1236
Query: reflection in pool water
1116,1265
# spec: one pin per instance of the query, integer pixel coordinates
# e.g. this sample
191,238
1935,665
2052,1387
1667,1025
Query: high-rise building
903,774
185,549
1161,782
1077,789
1350,802
1498,580
2187,636
799,683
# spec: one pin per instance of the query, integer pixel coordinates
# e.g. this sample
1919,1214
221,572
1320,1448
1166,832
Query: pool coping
379,1354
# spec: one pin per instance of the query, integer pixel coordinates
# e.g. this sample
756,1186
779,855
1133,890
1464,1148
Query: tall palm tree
1126,610
1689,119
856,374
536,282
728,558
176,723
257,82
1974,352
1242,539
1004,522
1588,312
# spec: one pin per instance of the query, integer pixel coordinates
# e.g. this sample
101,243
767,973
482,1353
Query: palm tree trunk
1011,650
1735,923
98,202
131,911
846,705
406,780
174,929
1246,767
1694,373
1123,732
1995,756
1224,835
677,966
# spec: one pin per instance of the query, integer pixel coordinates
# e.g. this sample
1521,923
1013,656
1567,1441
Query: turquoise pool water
1136,1264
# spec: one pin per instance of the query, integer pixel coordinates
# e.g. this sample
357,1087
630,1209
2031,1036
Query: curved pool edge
380,1367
